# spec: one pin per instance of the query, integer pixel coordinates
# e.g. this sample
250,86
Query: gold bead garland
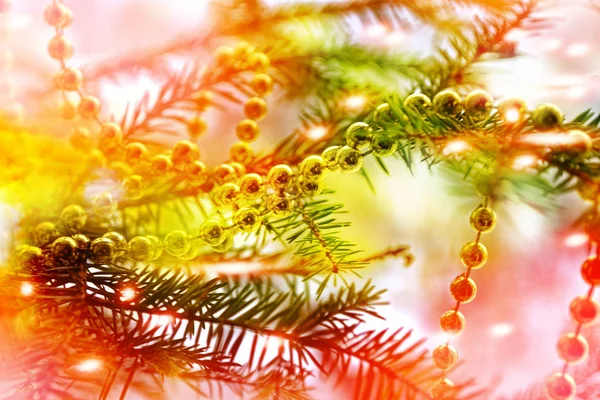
10,109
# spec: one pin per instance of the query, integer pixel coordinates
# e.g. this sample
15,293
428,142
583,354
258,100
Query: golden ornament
280,203
81,138
184,152
255,108
247,130
247,219
195,172
224,173
463,289
83,242
96,158
310,188
382,113
57,15
30,256
203,99
228,194
70,79
177,243
312,168
251,186
240,169
89,107
161,165
196,127
213,232
442,389
158,246
445,356
119,241
241,152
60,48
417,102
141,249
102,251
45,233
262,84
383,145
280,176
111,136
133,187
483,219
64,250
448,103
512,110
479,104
74,217
473,255
358,135
135,152
349,159
104,205
546,117
226,245
452,322
223,55
579,141
259,62
329,156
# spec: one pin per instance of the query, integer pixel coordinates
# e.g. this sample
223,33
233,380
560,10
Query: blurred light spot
127,294
355,102
577,50
394,38
512,115
501,330
551,44
576,92
26,289
455,147
548,139
316,132
525,161
515,35
90,365
576,239
376,30
163,320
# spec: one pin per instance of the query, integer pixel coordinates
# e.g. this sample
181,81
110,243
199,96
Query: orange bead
57,15
135,152
262,84
60,48
224,173
445,356
111,136
452,322
89,107
255,108
590,270
560,387
573,348
70,79
463,289
184,152
473,255
585,310
247,130
81,138
442,390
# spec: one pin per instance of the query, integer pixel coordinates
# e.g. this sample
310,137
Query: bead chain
11,109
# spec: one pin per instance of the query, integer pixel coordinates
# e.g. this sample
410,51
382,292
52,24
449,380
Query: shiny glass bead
104,205
70,79
158,246
417,102
247,219
584,310
57,15
445,356
312,168
463,289
310,188
30,255
448,103
546,117
349,159
262,84
280,203
483,219
64,250
280,176
177,243
382,113
258,62
473,255
224,173
442,390
118,239
121,169
45,233
590,270
226,245
223,55
512,110
81,139
102,251
141,249
111,136
251,186
135,152
60,48
478,104
191,253
329,157
195,173
74,217
240,169
184,152
358,135
241,152
383,145
579,141
133,187
89,107
213,232
247,130
452,322
255,108
83,242
228,194
161,165
196,127
573,348
560,387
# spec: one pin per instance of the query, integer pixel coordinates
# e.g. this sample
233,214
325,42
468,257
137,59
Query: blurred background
533,269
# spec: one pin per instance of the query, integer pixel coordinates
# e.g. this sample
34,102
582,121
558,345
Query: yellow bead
184,152
329,157
442,390
483,219
213,232
383,113
102,251
247,130
259,62
463,289
118,239
512,110
473,255
585,310
196,127
64,250
573,348
226,245
203,99
445,356
240,169
546,117
452,322
224,173
223,55
228,194
141,249
135,152
96,158
310,188
104,205
57,15
280,176
280,203
358,135
241,152
383,145
70,79
68,111
191,253
81,139
262,84
448,103
251,186
89,107
349,159
312,168
29,256
60,48
133,187
158,246
161,165
243,50
45,233
74,217
177,243
255,108
560,387
478,104
579,142
83,242
111,136
417,102
247,219
195,173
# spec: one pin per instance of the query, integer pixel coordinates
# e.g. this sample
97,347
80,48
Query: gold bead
242,51
247,130
228,194
448,103
349,159
590,270
89,107
60,48
483,219
473,255
560,387
64,250
135,152
111,136
585,310
223,55
45,233
546,117
251,186
196,127
280,203
83,242
240,169
195,173
184,152
74,217
177,243
329,156
118,239
417,102
81,138
445,356
241,152
133,187
358,135
224,173
56,15
191,253
478,104
463,289
67,110
312,168
213,232
203,99
102,251
161,165
573,348
255,108
226,245
280,176
579,141
512,110
442,389
158,246
452,322
141,249
383,113
70,79
104,205
310,188
383,145
247,219
30,255
259,62
262,84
